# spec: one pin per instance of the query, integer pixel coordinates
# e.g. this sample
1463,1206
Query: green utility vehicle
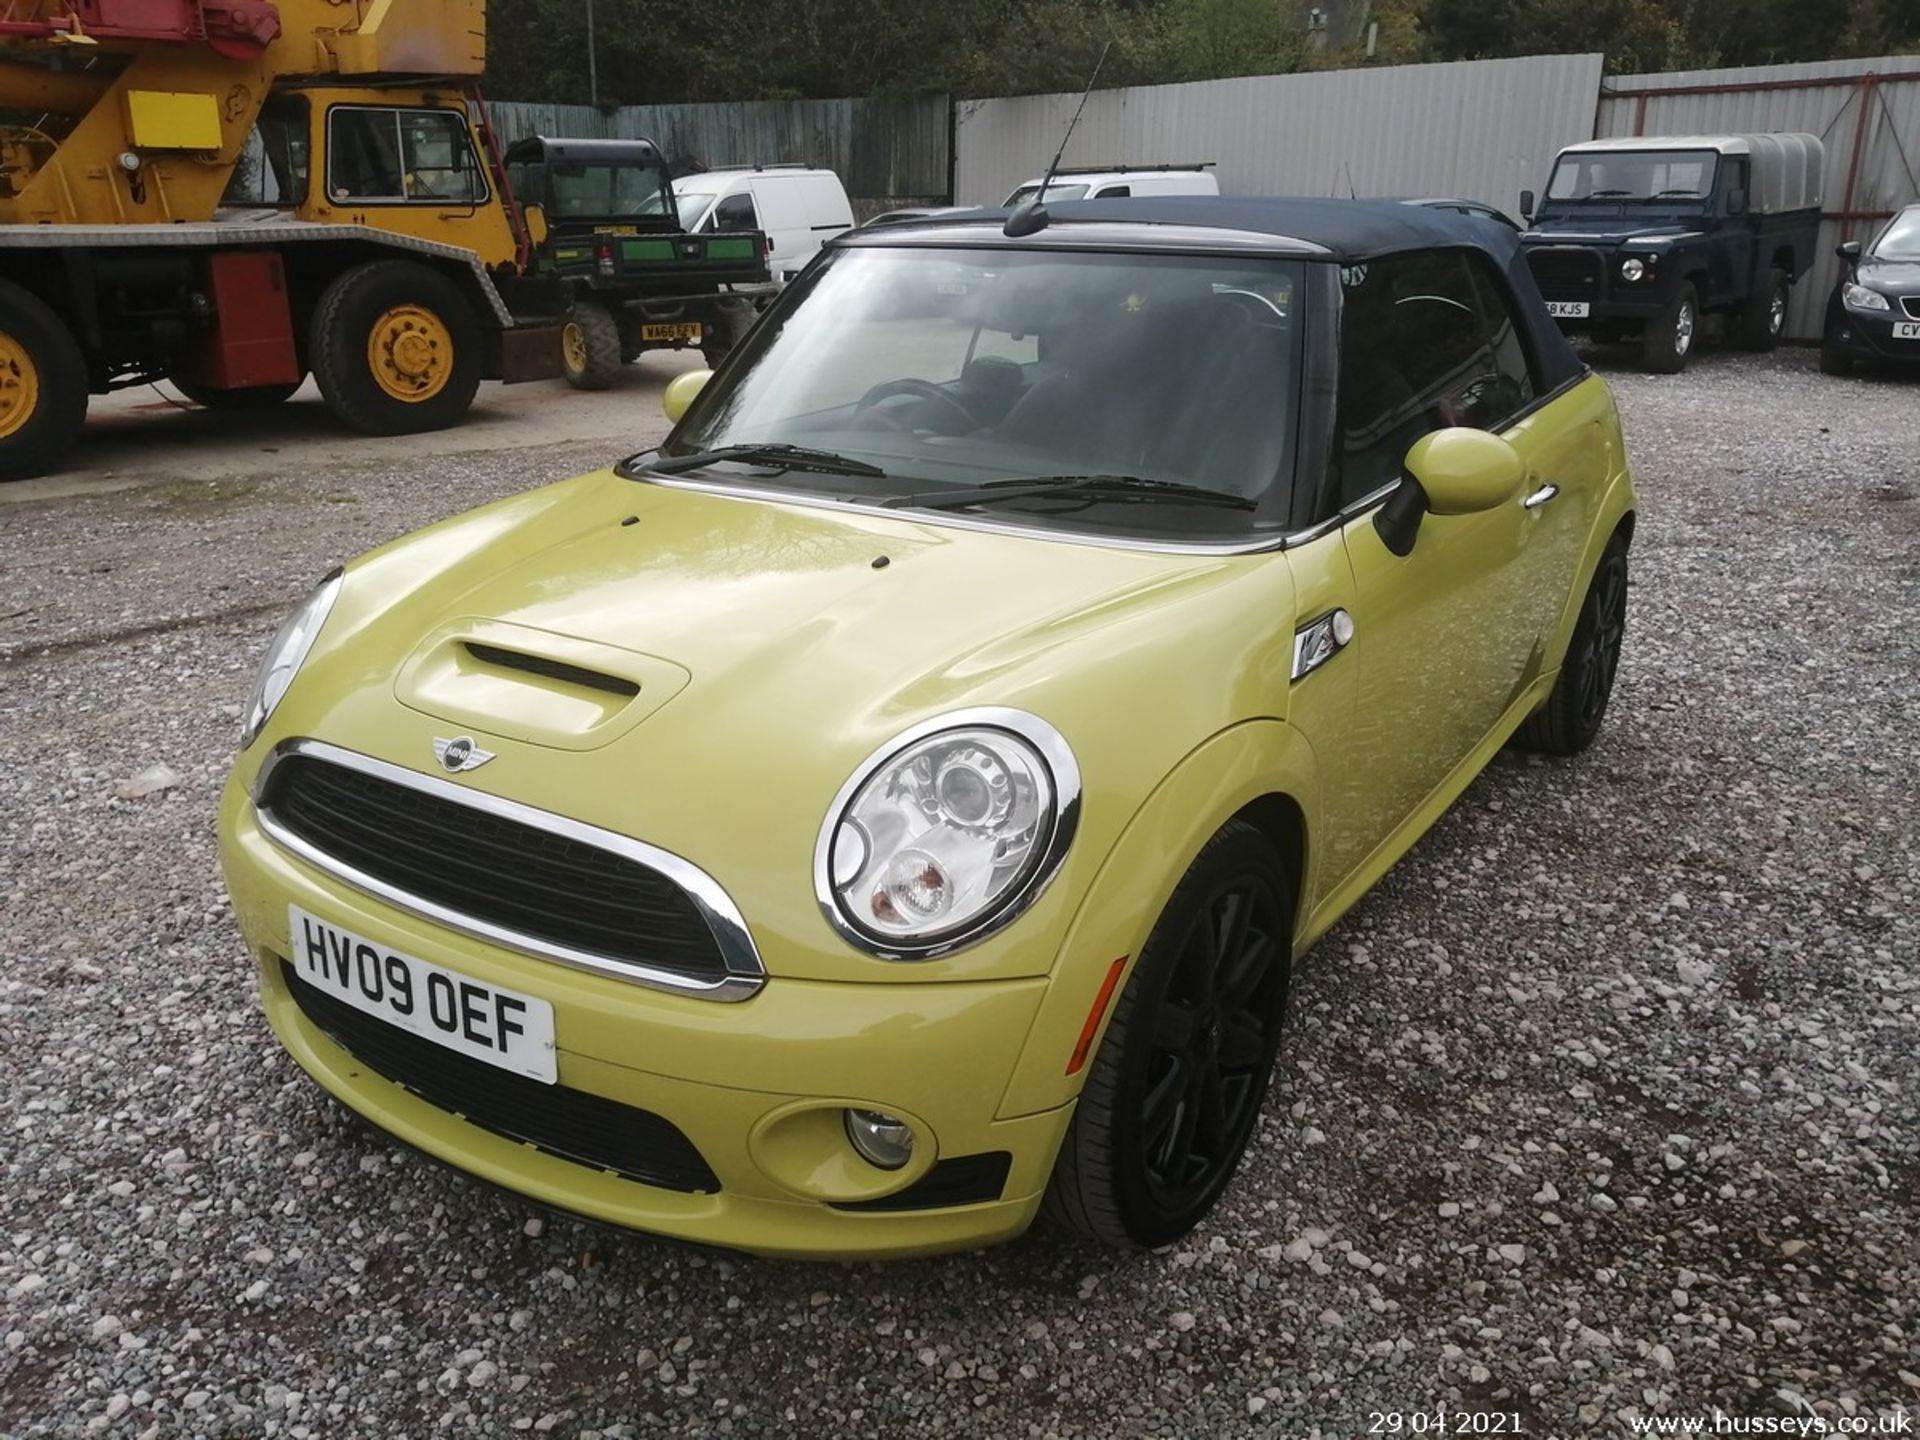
638,280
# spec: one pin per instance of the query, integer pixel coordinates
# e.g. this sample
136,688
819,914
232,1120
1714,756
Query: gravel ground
1603,1105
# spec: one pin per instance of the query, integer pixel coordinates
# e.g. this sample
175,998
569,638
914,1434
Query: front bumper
757,1087
1870,336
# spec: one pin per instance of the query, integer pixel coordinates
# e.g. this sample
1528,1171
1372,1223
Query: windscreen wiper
1605,194
770,452
1091,487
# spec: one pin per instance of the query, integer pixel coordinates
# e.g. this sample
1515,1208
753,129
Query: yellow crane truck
235,194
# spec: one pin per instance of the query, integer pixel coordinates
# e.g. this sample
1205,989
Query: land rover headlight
285,655
947,833
1632,268
1859,297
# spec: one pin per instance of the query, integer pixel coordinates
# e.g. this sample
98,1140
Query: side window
1115,192
1427,341
399,156
273,165
736,212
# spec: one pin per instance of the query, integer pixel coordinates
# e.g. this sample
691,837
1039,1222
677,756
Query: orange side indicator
1094,1016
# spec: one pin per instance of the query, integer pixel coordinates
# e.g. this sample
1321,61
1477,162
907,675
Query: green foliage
670,50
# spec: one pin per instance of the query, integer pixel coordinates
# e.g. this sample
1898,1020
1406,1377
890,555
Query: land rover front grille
1565,274
522,883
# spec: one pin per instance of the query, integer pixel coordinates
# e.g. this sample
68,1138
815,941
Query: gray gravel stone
1705,929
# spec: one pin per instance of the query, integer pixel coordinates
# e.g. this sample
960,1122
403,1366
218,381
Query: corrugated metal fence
1867,112
1480,130
882,148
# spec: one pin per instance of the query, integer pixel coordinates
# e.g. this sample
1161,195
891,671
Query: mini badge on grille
458,755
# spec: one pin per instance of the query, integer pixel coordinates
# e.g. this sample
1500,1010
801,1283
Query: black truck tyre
724,328
1670,335
396,348
1764,316
1173,1095
591,346
43,385
246,399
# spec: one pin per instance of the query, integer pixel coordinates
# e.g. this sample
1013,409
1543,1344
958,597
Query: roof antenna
1032,215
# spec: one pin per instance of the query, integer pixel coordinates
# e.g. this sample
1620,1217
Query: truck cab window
274,165
398,155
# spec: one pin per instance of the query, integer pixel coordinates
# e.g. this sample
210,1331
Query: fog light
882,1140
1631,270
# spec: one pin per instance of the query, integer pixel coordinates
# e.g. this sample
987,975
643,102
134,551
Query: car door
1443,636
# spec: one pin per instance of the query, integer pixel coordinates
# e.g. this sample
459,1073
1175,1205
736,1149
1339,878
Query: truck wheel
240,401
591,346
396,349
1765,314
43,385
723,330
1669,336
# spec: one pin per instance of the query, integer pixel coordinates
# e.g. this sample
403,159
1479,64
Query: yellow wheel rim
19,386
573,341
410,353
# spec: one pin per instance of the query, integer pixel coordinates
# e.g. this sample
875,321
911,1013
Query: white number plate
1567,309
1906,329
481,1021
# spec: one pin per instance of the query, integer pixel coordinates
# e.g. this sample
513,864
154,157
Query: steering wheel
908,385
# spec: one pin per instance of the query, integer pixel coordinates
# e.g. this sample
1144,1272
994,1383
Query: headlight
947,833
1632,269
1859,297
291,642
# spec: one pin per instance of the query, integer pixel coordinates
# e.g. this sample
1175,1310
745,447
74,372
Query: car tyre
1764,317
1567,723
43,385
591,347
396,349
1175,1090
1670,336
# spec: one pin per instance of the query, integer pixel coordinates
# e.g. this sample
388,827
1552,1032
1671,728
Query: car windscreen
692,204
1634,175
583,190
949,370
1901,239
1054,192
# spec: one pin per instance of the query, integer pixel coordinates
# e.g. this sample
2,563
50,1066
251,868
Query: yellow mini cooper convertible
892,808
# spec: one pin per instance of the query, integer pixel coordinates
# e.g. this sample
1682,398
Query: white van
1118,184
798,209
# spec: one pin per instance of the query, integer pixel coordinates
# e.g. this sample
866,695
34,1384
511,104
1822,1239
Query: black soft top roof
1345,232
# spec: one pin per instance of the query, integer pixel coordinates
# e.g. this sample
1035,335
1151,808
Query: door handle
1541,496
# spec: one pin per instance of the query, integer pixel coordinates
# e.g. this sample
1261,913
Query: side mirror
1736,201
1849,251
1449,472
537,229
680,393
1526,206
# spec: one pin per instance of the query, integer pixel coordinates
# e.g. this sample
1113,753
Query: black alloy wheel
1175,1089
1567,723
